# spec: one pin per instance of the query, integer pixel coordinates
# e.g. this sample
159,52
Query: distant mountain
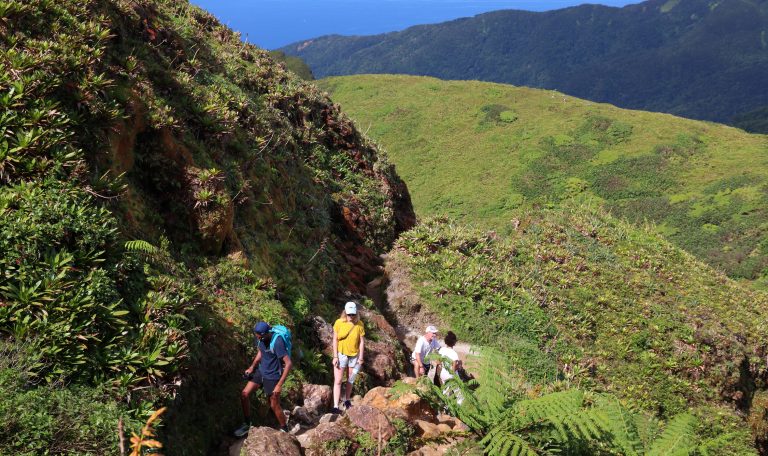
479,151
701,59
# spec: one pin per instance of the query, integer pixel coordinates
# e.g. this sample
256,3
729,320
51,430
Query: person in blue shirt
273,367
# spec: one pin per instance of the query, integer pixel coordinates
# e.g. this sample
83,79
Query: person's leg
338,373
274,403
245,401
350,378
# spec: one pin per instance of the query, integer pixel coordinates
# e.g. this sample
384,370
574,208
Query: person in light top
425,345
348,352
450,366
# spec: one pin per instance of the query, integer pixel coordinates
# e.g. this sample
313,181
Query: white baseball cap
350,308
431,329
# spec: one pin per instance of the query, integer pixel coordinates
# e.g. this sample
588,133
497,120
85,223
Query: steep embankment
477,151
695,58
247,194
575,295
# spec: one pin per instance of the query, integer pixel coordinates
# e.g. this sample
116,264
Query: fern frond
678,438
504,443
139,245
620,422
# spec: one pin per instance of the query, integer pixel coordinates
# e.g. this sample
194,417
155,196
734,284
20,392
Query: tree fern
621,423
139,245
678,439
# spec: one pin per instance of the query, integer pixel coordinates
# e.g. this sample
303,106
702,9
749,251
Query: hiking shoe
242,431
347,405
284,428
335,411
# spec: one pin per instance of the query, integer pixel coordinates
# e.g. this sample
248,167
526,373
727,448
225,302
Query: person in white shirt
425,345
450,365
449,368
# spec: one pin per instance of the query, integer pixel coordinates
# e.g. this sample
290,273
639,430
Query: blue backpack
285,333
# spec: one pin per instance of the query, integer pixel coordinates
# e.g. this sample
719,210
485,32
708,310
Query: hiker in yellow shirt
348,349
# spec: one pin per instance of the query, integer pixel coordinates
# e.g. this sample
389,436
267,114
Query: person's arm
286,368
361,350
419,357
335,346
256,360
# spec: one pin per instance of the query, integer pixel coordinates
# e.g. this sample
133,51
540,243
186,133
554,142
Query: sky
271,24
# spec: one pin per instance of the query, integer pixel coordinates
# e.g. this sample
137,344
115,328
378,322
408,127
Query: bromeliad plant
93,310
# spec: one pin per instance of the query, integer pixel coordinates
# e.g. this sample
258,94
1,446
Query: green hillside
574,295
701,59
477,151
164,186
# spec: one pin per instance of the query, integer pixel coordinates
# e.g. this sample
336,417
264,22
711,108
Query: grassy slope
578,295
703,184
123,120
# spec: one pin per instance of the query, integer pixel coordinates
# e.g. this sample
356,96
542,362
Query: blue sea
274,23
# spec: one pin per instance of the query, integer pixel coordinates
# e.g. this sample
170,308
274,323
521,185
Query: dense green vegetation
703,59
163,186
477,151
575,296
515,417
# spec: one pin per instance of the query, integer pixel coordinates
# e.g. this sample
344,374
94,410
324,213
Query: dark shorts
267,384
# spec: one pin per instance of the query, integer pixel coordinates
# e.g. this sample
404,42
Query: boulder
414,407
381,361
377,397
312,441
302,415
371,420
444,428
317,398
264,441
426,430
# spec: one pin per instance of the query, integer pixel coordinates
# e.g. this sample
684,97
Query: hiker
348,353
274,363
425,345
450,366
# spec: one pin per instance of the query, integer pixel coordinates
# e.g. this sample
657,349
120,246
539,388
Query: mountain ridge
675,57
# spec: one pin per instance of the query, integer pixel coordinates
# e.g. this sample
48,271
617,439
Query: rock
381,323
444,428
426,430
317,398
303,415
460,426
371,420
437,449
328,418
381,361
446,419
377,397
313,440
324,332
414,407
264,441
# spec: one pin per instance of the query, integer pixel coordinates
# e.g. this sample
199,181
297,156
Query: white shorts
347,361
